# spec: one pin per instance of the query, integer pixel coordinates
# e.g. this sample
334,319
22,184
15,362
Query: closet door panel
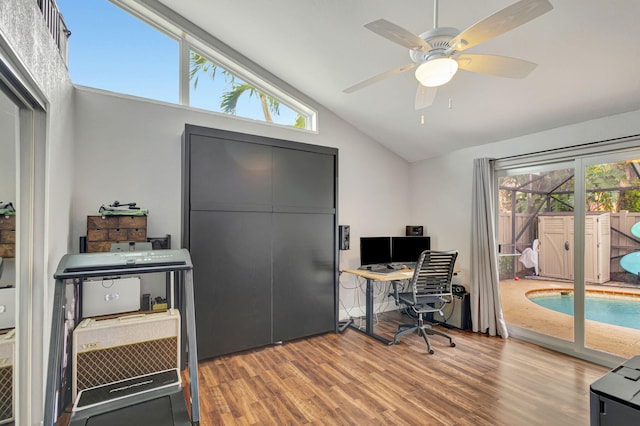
303,179
231,254
303,275
229,175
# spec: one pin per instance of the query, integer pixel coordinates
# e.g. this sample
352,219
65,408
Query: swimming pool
610,309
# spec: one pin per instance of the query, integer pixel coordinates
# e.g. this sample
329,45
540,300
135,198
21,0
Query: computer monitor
408,249
375,250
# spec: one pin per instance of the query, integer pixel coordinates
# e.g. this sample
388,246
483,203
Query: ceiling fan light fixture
436,72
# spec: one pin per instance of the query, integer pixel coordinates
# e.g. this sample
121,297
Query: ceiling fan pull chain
422,118
450,103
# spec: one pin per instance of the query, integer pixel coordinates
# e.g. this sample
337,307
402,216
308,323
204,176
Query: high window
124,47
112,50
217,89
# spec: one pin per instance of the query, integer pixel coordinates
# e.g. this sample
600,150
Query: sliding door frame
30,269
576,157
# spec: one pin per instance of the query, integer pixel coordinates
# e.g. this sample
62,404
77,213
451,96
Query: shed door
554,247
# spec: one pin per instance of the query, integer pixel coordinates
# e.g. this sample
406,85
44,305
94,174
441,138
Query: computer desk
403,274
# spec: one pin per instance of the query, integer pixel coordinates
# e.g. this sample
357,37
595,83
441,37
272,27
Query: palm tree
230,100
200,65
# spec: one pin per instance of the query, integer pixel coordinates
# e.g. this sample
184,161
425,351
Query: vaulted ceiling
587,53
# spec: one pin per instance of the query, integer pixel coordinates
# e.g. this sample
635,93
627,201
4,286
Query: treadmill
154,399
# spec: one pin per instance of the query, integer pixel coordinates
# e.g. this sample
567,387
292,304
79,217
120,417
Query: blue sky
112,50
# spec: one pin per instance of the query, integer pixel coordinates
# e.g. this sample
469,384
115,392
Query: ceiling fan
436,53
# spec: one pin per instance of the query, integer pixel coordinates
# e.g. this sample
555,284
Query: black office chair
430,289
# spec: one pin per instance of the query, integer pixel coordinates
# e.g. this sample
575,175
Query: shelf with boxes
102,231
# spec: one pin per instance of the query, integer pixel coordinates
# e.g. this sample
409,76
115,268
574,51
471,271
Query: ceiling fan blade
378,78
425,96
500,66
499,23
397,34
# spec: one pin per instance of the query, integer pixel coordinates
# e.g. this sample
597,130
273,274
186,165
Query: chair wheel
431,352
453,345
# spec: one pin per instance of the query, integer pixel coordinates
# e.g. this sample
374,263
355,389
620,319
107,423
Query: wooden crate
102,231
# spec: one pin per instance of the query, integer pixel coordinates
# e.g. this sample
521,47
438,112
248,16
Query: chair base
422,330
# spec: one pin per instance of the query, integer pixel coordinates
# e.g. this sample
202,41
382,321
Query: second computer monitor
408,249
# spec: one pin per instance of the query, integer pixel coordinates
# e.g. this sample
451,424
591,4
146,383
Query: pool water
620,311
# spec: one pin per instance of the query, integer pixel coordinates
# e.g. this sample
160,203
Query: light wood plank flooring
351,379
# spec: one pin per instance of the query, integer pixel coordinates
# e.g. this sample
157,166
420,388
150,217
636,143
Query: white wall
128,149
443,185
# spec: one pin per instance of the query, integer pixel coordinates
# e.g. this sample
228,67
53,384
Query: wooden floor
351,379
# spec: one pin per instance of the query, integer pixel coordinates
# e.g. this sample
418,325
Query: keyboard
385,269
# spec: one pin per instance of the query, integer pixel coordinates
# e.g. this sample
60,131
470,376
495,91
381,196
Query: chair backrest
433,273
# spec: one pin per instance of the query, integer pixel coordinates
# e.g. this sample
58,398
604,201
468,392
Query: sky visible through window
113,50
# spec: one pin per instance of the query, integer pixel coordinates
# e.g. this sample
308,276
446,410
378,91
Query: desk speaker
111,350
344,236
414,231
7,348
457,314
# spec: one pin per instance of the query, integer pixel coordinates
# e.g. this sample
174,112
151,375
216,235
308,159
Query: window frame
190,37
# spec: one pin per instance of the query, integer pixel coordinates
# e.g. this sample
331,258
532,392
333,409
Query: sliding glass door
569,236
536,237
609,301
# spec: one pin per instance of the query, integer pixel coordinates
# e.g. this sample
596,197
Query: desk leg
343,325
369,316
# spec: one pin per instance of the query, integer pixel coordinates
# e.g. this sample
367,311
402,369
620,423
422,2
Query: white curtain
486,309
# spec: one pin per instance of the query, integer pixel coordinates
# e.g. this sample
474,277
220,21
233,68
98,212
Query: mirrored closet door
9,119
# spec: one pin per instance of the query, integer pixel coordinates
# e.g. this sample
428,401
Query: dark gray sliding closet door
259,218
